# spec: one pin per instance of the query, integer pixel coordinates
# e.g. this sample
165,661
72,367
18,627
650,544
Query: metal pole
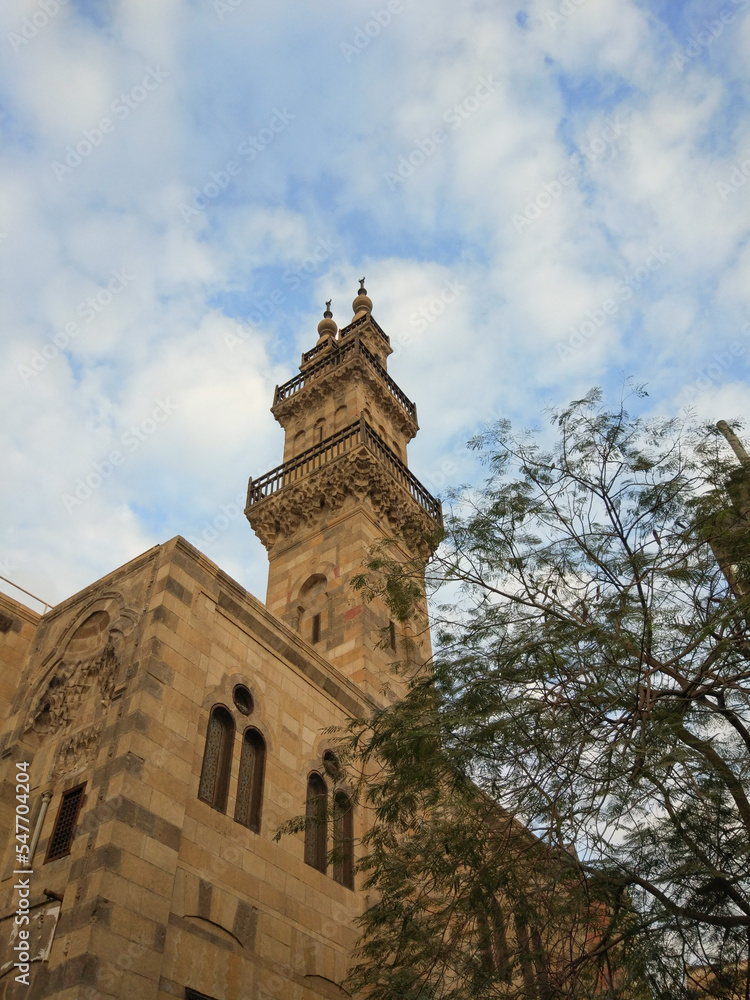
46,799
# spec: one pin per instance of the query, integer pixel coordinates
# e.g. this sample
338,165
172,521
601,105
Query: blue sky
543,196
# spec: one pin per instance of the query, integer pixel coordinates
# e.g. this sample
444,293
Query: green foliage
590,687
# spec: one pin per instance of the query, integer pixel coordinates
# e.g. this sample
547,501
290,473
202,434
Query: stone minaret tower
344,486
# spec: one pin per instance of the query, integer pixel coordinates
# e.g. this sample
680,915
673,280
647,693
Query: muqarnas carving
77,751
82,681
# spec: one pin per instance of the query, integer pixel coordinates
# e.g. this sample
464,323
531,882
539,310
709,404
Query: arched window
319,430
217,759
493,943
339,418
299,442
250,780
343,840
331,765
316,813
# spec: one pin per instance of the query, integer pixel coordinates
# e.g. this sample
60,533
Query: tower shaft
344,487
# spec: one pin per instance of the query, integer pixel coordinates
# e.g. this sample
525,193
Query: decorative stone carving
356,476
77,752
81,683
69,687
313,396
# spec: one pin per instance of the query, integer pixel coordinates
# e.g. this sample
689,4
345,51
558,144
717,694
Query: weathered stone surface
114,688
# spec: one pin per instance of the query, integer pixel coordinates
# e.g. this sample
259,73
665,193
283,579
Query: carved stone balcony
341,354
353,462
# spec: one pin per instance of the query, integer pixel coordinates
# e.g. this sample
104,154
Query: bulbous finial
327,326
362,304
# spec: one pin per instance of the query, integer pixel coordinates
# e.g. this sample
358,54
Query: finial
327,326
362,304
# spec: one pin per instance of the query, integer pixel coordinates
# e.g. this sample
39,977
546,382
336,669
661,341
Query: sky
543,196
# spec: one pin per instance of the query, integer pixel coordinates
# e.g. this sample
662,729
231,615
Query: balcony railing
337,357
358,433
315,351
356,323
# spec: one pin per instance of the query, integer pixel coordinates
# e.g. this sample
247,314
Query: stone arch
81,674
216,769
223,694
343,839
316,828
312,608
313,587
326,987
340,417
250,779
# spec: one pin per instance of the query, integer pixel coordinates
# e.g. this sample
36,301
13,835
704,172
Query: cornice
356,477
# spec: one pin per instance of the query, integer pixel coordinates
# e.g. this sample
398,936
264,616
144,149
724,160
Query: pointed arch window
217,759
493,942
65,825
250,780
343,840
316,830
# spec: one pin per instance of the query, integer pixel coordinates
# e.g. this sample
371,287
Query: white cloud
313,210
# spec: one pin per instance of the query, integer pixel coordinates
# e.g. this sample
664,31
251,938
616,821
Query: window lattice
217,759
65,824
343,840
250,780
316,813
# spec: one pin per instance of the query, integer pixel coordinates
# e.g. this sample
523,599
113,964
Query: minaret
344,486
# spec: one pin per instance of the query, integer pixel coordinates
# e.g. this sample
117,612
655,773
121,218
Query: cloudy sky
544,195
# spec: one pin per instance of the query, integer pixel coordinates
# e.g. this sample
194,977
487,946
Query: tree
562,800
